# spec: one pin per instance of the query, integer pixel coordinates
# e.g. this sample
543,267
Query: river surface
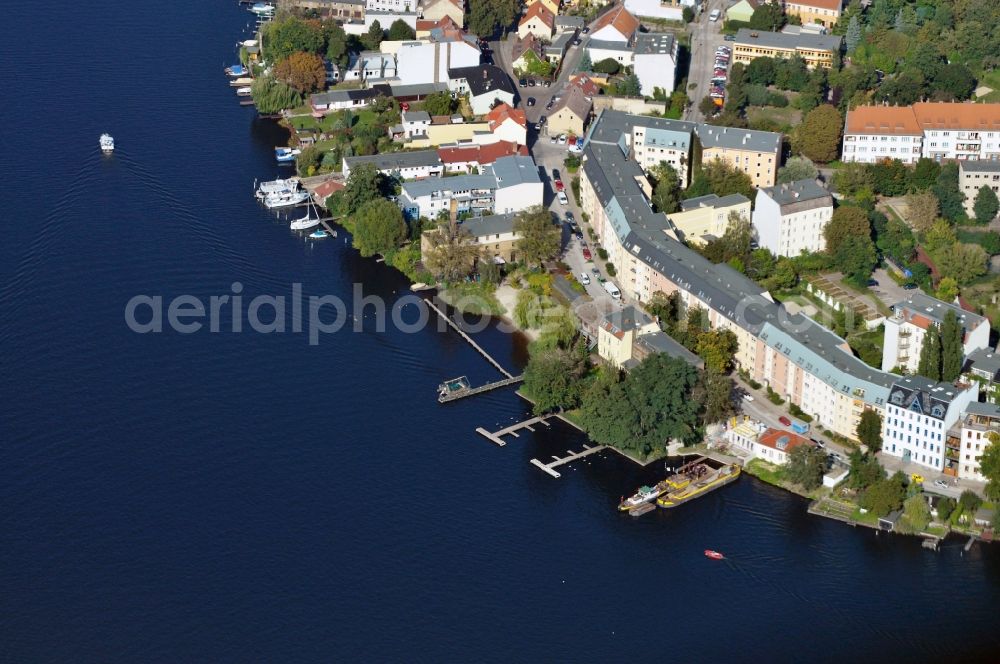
236,497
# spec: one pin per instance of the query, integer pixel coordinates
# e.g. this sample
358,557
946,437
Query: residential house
669,10
973,176
538,20
326,189
919,413
467,158
556,51
756,153
607,49
978,424
526,50
743,10
443,131
617,25
370,67
436,10
822,12
428,60
705,218
983,366
626,336
769,444
384,18
816,50
585,83
874,133
906,329
424,26
655,62
343,10
486,85
508,124
789,218
568,23
495,236
571,113
519,185
391,6
663,140
415,124
551,5
339,100
409,165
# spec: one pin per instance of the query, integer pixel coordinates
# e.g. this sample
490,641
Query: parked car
570,218
562,198
562,139
872,282
577,42
584,278
730,38
542,120
538,126
553,138
548,83
785,421
909,286
532,82
586,251
586,29
918,479
714,16
941,484
595,271
523,83
559,185
748,398
531,101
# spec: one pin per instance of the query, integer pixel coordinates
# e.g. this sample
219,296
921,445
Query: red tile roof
501,112
621,19
482,154
585,84
325,189
771,437
542,12
887,120
821,4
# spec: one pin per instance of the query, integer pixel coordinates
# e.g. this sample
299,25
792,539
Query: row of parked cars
717,89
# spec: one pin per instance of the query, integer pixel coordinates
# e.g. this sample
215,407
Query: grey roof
928,393
652,43
660,342
797,194
626,319
566,21
559,44
979,165
334,96
986,360
390,161
492,224
416,89
427,186
574,99
786,41
416,116
984,409
513,170
935,309
713,201
483,79
608,45
732,138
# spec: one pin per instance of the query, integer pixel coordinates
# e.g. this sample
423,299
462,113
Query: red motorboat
714,555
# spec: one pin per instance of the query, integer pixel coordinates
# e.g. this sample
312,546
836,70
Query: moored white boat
311,220
277,187
285,199
286,155
319,235
262,9
107,144
243,92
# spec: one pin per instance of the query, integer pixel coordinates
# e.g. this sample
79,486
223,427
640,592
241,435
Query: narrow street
706,36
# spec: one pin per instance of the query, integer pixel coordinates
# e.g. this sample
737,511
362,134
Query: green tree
363,184
439,103
400,30
734,243
667,308
718,397
308,161
378,227
922,210
304,72
553,380
373,37
947,290
707,107
486,17
869,431
607,66
282,37
797,168
986,205
929,365
336,44
769,16
945,506
856,258
718,349
949,194
925,173
969,502
847,222
722,179
629,86
818,137
865,470
806,465
917,513
853,37
451,252
647,409
539,236
761,71
955,81
272,96
891,177
585,65
853,179
938,236
989,466
962,262
885,495
667,190
951,347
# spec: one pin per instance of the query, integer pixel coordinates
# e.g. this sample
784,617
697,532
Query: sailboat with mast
311,220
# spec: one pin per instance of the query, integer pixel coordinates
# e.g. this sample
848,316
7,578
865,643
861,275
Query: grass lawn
786,117
868,346
767,472
473,298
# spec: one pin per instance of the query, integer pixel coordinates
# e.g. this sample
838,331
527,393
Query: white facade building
980,421
789,218
655,62
429,61
486,85
918,415
669,10
906,329
761,442
519,185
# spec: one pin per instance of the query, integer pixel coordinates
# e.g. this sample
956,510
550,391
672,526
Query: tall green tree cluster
941,354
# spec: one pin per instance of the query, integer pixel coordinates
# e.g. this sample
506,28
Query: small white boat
286,155
262,9
242,92
285,199
279,186
319,235
311,220
107,144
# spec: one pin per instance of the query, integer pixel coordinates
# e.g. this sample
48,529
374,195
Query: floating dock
471,391
573,456
497,436
639,510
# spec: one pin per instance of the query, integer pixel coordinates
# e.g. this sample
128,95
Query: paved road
888,291
705,38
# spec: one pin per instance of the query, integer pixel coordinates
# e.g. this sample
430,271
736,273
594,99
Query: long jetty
573,456
459,394
465,336
497,436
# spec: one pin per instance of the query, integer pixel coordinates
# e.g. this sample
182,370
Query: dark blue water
248,497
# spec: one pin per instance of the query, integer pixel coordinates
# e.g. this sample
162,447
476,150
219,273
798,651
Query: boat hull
699,488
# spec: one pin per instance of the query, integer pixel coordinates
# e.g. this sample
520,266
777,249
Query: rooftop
482,154
576,101
515,170
502,112
391,161
985,360
800,191
541,12
979,165
784,41
620,19
713,201
652,43
932,398
626,319
934,309
957,115
483,79
416,116
494,224
427,186
784,441
660,342
889,120
609,45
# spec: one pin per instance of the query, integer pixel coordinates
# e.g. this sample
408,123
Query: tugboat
107,144
645,494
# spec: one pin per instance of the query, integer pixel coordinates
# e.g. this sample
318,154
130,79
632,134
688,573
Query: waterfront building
467,158
816,50
486,85
343,10
493,233
340,100
655,62
979,422
428,61
538,20
627,336
768,444
371,67
410,165
936,130
789,218
973,176
907,328
821,12
707,217
918,416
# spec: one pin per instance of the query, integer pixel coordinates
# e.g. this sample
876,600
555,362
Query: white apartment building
789,218
981,420
973,176
906,329
654,61
918,416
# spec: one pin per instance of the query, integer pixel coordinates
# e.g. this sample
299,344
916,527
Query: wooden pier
465,336
497,436
460,394
639,510
573,456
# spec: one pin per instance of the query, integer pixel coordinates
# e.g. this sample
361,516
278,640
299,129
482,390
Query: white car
748,398
584,278
714,16
562,198
562,139
941,484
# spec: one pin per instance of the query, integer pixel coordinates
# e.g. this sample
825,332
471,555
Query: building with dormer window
918,416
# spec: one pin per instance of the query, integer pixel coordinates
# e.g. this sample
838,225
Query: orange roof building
538,20
461,158
616,25
502,112
823,12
